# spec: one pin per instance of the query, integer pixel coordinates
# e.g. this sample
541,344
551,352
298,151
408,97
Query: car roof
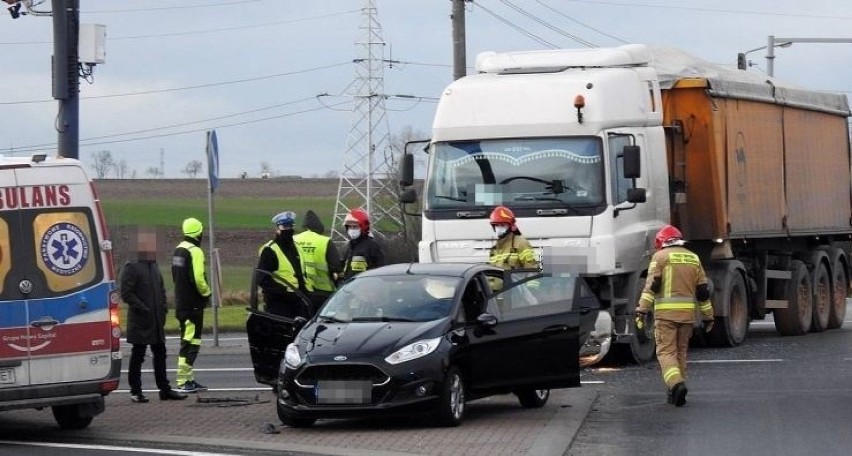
430,269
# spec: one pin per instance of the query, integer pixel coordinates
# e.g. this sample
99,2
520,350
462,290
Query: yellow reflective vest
312,250
285,269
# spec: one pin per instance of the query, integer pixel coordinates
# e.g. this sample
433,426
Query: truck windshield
525,173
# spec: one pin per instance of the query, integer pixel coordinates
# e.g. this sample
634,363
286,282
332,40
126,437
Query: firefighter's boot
678,394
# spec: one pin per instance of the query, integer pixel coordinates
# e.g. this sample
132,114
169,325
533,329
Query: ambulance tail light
109,385
114,321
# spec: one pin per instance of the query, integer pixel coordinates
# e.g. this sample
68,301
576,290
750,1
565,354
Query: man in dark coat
141,286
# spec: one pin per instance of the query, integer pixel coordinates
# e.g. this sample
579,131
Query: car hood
364,340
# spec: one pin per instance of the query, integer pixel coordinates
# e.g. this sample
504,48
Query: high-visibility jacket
513,252
313,248
191,289
285,269
673,276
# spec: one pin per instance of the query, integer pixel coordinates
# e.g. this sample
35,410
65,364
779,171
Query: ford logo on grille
340,358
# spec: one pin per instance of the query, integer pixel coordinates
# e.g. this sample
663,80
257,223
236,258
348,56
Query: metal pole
770,55
214,272
66,85
459,40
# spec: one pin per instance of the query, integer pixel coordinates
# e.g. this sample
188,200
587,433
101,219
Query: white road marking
122,449
208,369
722,361
209,390
592,382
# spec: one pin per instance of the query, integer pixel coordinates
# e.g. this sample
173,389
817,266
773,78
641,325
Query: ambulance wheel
69,417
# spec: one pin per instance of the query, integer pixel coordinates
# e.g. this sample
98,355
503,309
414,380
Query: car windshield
528,172
392,298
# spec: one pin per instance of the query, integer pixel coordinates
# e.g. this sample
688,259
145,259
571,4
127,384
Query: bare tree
193,168
153,171
121,168
103,163
330,174
397,144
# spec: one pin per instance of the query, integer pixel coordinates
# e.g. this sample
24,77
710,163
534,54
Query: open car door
269,334
541,322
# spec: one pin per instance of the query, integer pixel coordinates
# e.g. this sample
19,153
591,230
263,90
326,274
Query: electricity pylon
368,178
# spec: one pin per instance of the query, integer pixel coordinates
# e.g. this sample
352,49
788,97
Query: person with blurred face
286,270
362,252
141,287
192,295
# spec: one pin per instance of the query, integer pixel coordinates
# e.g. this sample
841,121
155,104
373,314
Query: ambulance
59,314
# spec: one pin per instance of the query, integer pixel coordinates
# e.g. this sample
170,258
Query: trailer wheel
730,330
796,319
821,297
839,292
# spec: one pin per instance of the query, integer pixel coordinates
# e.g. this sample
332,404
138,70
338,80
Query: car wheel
532,398
292,421
450,409
68,417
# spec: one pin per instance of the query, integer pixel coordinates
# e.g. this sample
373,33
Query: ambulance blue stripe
62,308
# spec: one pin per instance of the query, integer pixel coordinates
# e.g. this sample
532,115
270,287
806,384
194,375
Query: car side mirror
486,320
299,322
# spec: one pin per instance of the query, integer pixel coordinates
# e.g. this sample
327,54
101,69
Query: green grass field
232,213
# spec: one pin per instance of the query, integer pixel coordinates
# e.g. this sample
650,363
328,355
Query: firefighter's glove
708,325
639,318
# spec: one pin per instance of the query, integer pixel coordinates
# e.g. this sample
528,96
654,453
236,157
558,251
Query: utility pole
66,83
459,40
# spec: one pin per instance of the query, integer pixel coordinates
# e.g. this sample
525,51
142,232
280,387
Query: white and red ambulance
59,319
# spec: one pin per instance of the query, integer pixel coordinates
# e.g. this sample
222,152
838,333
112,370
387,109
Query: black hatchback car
425,339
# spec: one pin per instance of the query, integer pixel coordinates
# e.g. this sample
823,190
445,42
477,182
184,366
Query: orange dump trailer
761,184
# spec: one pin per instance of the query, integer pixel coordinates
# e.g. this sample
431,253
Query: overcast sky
262,64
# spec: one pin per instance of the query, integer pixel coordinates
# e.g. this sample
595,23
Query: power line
37,148
579,22
516,27
159,8
711,10
204,31
547,24
199,86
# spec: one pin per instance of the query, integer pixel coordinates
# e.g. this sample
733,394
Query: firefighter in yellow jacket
512,250
676,284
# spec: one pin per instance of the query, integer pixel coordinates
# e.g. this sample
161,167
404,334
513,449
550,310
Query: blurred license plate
344,392
7,375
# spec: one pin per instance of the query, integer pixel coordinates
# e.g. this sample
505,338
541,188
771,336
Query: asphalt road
771,396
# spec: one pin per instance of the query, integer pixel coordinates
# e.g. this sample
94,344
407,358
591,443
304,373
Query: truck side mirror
636,195
632,162
406,174
408,196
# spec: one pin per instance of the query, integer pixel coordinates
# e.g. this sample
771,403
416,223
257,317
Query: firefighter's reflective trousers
672,344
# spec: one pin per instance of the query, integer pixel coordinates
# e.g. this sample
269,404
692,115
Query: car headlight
292,356
416,350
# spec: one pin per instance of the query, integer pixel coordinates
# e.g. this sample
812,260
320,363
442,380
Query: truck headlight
415,350
292,356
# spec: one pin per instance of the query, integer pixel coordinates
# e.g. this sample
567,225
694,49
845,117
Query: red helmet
667,236
360,217
502,215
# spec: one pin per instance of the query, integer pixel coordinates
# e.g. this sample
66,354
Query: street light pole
772,40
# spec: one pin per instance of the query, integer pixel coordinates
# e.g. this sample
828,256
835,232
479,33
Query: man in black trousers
141,286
